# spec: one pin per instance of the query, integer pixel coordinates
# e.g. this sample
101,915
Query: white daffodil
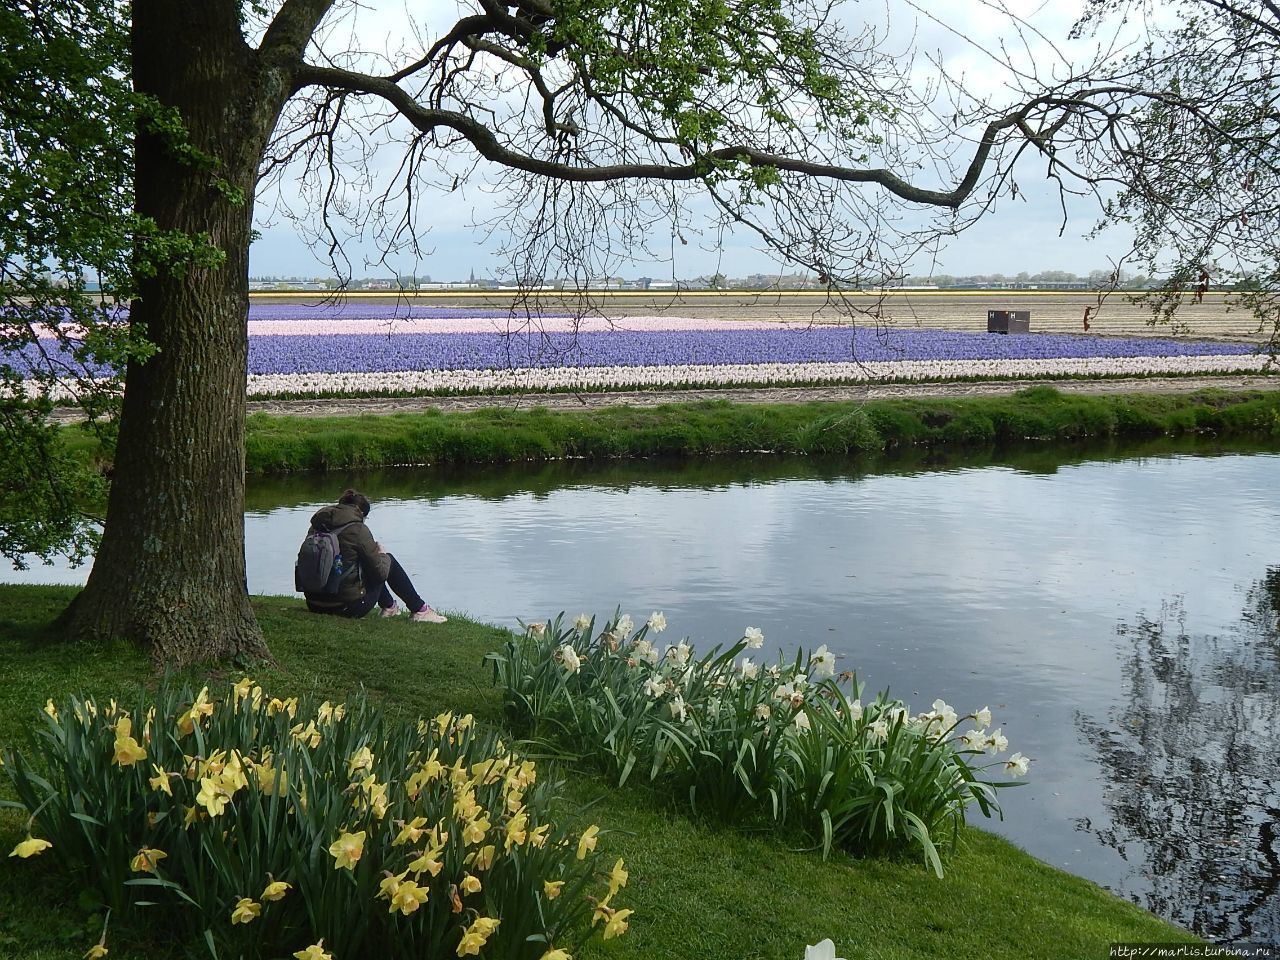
569,659
749,670
678,655
983,718
657,622
879,730
944,712
624,627
678,709
763,711
823,662
997,742
754,637
654,688
855,708
1017,765
974,740
582,623
823,950
784,692
801,721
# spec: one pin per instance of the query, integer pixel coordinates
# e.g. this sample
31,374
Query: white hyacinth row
706,375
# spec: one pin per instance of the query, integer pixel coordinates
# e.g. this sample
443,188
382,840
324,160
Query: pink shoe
393,611
427,615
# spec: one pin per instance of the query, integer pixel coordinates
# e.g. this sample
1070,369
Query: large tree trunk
170,573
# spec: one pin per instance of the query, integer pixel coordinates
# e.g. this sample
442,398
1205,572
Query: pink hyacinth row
478,324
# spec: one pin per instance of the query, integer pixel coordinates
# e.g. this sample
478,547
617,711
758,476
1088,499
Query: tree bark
170,572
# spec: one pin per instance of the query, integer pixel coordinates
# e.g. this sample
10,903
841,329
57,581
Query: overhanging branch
483,140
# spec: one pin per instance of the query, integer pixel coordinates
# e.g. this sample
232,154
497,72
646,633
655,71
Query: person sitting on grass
371,575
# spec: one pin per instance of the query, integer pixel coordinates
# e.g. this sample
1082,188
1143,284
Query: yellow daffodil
214,795
556,954
362,759
475,936
51,710
517,830
465,806
189,816
442,723
233,772
617,878
616,925
30,847
408,898
276,890
347,850
411,832
325,712
470,884
96,952
538,835
551,888
246,911
146,859
309,735
602,912
241,690
270,780
160,781
288,707
587,842
390,884
313,952
462,725
126,751
428,862
482,859
203,707
475,831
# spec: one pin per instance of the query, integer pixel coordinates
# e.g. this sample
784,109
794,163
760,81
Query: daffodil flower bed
260,827
789,742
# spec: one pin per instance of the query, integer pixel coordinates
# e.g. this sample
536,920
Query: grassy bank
698,891
278,444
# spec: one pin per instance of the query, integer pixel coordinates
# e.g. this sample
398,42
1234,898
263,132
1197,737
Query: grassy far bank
698,891
277,444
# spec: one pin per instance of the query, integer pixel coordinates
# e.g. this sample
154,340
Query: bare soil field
1051,311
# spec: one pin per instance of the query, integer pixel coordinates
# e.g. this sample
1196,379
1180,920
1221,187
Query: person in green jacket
372,577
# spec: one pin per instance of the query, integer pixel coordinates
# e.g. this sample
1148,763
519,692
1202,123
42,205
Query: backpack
319,565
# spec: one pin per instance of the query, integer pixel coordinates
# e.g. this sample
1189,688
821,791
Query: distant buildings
1046,280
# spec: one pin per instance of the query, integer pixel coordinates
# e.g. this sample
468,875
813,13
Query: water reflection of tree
1192,761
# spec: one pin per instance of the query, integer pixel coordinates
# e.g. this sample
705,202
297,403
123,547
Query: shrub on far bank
260,827
789,742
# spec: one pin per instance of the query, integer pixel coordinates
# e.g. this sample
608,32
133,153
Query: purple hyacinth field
396,348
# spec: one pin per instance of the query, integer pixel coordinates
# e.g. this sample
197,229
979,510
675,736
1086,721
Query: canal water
1118,613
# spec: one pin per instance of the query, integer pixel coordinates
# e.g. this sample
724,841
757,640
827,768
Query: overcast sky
1022,234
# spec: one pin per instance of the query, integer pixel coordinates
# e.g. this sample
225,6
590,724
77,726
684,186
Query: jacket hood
330,518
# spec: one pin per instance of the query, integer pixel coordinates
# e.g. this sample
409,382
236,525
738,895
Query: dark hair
356,499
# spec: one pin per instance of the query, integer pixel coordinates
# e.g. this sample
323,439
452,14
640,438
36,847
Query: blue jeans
382,594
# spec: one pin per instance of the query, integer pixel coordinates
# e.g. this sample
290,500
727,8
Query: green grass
1036,415
699,891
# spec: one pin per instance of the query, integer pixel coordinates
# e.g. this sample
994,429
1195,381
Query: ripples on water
1119,617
